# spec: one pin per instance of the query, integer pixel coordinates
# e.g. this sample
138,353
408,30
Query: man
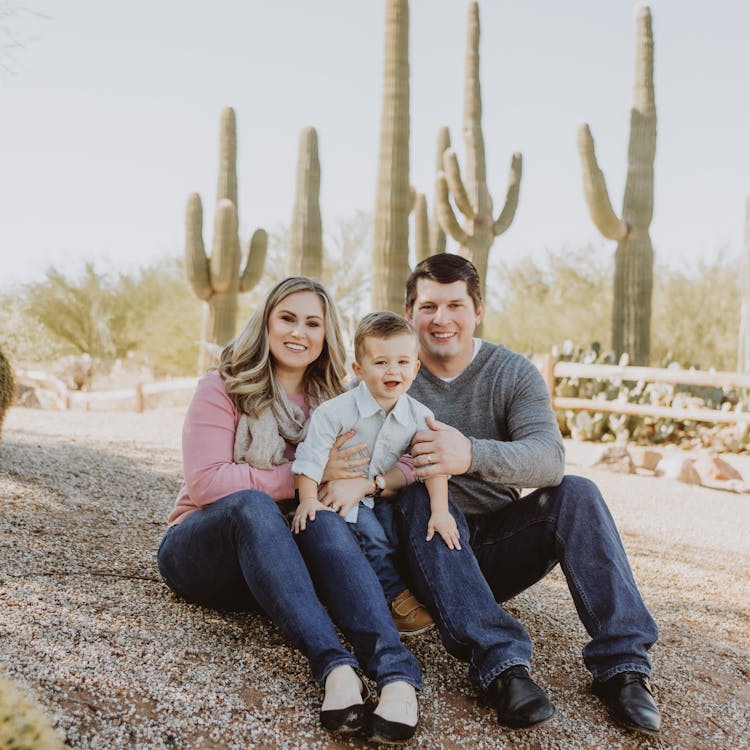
497,434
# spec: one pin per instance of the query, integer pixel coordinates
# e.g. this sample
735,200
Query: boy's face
388,367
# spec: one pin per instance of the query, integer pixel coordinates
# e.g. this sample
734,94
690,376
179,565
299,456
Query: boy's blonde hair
380,325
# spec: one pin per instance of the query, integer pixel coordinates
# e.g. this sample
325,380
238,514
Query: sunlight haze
110,118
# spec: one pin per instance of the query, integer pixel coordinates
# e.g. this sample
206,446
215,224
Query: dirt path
121,663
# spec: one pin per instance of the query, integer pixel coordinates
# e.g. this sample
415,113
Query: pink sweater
208,452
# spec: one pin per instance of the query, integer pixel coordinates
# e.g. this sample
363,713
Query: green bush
23,725
7,386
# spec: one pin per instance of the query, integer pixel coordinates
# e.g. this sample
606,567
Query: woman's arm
208,450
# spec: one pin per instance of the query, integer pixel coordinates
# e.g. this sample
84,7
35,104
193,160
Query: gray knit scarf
260,440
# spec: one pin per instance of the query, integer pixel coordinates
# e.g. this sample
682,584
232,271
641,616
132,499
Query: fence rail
552,371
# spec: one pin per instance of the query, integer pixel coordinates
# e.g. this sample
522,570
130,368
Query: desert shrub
23,725
7,386
533,306
696,315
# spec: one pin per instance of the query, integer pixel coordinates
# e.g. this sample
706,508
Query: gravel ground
119,662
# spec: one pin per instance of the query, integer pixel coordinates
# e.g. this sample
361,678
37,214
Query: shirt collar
367,405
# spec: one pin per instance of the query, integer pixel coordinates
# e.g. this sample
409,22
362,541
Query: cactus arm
256,260
456,185
421,228
444,211
196,262
437,236
505,218
225,252
595,190
227,182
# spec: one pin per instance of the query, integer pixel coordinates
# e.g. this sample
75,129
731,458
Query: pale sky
111,118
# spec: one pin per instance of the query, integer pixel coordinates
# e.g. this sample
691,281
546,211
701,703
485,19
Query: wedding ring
429,458
334,506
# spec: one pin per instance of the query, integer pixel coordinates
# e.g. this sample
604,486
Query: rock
615,458
644,458
679,468
715,469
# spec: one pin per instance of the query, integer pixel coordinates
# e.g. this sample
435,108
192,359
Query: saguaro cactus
216,279
393,200
743,348
307,229
7,387
634,257
470,193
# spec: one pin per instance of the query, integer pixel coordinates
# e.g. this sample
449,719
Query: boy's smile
388,367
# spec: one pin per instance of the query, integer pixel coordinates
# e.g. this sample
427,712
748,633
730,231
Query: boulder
644,458
615,458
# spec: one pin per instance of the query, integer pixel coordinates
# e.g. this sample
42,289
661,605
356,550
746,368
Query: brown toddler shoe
409,615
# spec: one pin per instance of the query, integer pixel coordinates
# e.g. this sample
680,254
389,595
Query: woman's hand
306,510
343,463
445,525
341,495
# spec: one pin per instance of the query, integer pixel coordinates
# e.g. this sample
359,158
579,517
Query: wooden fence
552,370
62,398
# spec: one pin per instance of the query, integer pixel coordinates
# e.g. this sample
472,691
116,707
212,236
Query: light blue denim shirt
388,436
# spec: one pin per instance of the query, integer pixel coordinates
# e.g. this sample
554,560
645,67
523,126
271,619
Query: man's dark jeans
513,548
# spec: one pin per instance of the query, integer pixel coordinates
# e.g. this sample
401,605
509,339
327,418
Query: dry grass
119,662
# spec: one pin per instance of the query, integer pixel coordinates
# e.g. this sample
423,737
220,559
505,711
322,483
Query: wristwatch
379,480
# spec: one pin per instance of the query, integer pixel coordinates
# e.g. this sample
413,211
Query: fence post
548,373
139,405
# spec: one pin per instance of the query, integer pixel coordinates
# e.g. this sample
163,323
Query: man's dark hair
380,325
445,268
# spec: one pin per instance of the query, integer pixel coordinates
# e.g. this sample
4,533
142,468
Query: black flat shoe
389,732
349,719
344,719
519,702
630,702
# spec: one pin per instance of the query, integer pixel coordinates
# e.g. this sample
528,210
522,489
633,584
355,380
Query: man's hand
306,510
440,450
341,495
445,525
343,463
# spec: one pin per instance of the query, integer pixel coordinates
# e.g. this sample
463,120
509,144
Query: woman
229,544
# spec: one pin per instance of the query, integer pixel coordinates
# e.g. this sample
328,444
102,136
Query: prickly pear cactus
23,725
7,387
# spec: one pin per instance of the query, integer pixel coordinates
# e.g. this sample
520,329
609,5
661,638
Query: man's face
445,319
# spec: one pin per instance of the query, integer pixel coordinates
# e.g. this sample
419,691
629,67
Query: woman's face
296,331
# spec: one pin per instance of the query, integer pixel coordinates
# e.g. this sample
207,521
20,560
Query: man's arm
534,456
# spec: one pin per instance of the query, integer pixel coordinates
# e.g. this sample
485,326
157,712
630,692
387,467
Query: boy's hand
445,525
306,510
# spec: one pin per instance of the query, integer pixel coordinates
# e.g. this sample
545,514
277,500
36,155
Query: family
380,512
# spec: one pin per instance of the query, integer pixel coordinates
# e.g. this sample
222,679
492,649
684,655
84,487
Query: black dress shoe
630,701
520,703
348,719
386,732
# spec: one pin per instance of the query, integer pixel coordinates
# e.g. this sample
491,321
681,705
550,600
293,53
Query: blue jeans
379,549
239,553
509,551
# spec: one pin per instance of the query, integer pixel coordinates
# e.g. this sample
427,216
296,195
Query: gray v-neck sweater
500,402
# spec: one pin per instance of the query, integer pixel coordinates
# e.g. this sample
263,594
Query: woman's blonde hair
245,363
